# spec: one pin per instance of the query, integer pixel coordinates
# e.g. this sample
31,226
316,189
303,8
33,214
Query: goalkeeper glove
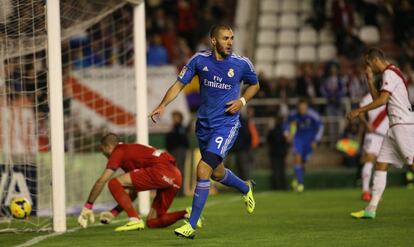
86,215
106,217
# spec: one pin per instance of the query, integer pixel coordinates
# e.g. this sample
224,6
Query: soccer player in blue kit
304,128
221,73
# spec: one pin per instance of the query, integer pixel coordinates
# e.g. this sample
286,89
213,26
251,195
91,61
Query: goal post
140,67
54,59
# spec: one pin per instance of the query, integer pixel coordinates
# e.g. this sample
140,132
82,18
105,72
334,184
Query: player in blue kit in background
304,129
221,73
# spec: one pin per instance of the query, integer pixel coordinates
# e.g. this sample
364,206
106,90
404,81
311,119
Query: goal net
99,96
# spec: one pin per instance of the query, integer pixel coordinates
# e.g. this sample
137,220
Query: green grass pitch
314,218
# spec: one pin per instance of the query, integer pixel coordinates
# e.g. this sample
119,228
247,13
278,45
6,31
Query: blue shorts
303,148
218,140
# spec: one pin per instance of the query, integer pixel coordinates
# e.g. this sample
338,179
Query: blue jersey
219,83
309,127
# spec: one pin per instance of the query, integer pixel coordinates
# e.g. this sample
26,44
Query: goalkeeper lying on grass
146,168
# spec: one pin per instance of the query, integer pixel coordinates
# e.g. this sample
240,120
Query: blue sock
199,200
299,173
232,180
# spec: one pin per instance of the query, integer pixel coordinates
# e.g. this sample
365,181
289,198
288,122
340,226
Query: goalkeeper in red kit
146,168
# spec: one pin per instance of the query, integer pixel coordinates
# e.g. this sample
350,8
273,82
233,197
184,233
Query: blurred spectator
342,16
242,150
157,54
403,13
369,9
187,22
333,89
177,142
204,22
284,91
318,15
169,40
307,85
342,23
252,128
278,150
356,84
265,86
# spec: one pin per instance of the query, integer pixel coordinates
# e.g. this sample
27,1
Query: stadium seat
308,36
265,54
306,6
270,5
265,68
306,53
326,52
326,36
267,37
290,6
287,37
369,34
285,54
289,20
268,21
287,70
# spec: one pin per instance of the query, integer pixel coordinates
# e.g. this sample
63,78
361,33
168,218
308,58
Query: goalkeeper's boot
199,221
248,198
366,196
132,225
186,231
363,214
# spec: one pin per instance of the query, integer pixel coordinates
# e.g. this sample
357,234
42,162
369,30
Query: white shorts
372,143
398,146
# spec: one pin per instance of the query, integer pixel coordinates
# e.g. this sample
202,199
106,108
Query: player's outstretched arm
235,105
381,100
86,214
169,96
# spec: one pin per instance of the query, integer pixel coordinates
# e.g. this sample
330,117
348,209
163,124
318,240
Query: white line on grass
54,234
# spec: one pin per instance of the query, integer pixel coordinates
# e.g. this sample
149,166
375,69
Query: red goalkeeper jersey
129,157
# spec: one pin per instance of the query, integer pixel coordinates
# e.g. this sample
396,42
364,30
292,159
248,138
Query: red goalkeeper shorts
165,178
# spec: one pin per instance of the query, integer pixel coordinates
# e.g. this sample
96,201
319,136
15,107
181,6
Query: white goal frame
54,60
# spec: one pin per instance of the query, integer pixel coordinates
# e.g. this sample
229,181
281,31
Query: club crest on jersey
182,73
230,73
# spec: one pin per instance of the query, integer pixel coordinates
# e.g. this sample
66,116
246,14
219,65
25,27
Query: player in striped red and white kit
398,145
376,125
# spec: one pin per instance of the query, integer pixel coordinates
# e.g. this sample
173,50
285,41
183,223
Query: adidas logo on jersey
205,68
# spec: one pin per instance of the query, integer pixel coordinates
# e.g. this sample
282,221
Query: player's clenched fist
106,217
85,216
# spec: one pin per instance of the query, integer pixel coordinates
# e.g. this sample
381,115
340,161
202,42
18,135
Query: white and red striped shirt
376,117
398,106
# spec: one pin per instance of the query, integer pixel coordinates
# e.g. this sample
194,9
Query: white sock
366,175
133,219
378,187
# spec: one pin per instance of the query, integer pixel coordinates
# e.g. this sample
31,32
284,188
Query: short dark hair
303,100
109,139
215,28
373,53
